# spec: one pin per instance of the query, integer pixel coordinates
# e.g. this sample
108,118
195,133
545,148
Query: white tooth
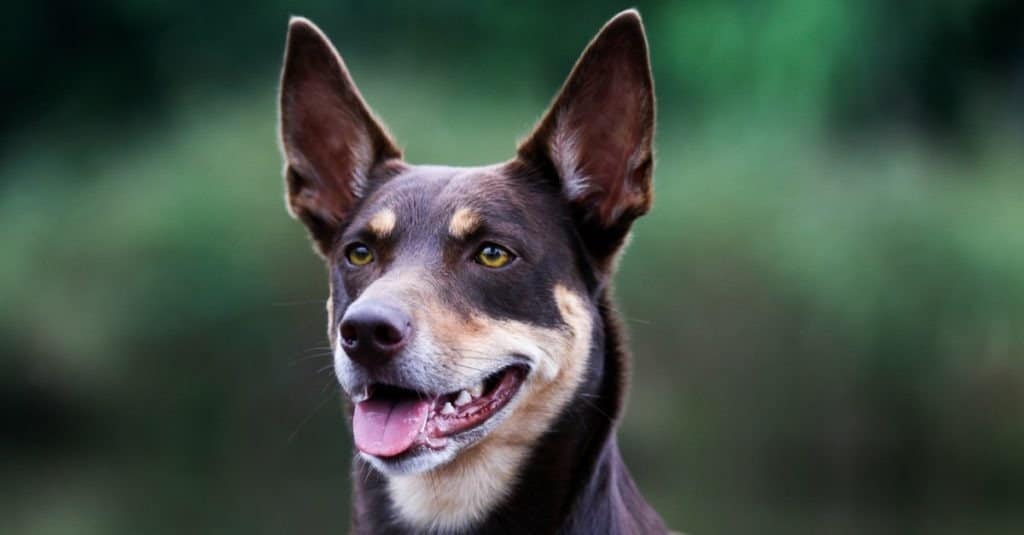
463,399
447,409
477,390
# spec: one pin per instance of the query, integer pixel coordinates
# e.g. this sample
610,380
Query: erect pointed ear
598,133
333,146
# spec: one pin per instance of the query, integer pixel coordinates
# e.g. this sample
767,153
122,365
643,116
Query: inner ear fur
597,135
332,143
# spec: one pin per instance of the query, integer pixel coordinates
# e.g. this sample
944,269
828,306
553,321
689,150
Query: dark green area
826,305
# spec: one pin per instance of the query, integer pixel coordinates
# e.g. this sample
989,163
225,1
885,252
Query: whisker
298,359
475,355
466,366
448,367
595,407
462,356
313,412
638,320
364,470
298,302
486,359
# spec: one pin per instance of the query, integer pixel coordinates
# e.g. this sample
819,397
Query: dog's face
462,307
453,306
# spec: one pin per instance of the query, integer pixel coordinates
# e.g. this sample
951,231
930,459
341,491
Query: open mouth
392,420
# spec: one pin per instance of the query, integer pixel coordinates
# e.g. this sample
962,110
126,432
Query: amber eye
359,254
494,256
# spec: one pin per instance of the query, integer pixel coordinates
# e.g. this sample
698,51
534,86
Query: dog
470,308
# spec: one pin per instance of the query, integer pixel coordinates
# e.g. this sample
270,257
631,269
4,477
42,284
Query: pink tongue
385,427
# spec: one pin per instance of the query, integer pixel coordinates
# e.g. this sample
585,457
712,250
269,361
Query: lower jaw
435,452
446,429
416,460
422,458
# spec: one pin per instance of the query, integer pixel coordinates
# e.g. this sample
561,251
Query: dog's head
463,300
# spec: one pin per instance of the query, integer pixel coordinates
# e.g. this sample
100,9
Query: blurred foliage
826,305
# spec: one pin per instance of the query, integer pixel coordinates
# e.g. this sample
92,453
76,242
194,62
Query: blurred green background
826,304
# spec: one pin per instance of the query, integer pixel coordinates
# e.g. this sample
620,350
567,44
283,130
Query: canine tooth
477,390
463,399
447,409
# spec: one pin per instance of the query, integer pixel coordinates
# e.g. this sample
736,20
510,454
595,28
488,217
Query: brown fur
563,207
329,135
605,115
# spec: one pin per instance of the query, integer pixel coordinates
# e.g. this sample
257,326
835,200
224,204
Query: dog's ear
598,133
331,141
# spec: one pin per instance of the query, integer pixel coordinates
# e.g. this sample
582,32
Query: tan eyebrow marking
382,223
463,222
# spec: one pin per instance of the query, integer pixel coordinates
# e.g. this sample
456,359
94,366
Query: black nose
372,333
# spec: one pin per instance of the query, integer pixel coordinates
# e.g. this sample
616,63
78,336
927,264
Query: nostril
387,334
348,333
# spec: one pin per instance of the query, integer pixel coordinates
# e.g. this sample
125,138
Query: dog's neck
572,481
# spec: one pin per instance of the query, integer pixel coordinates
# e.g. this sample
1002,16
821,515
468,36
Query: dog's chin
438,445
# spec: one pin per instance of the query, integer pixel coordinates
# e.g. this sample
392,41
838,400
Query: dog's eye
494,256
359,254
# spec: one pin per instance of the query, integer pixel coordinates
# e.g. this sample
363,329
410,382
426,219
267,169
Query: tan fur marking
459,493
565,153
463,222
462,492
382,223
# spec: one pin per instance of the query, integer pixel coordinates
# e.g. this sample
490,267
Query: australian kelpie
470,309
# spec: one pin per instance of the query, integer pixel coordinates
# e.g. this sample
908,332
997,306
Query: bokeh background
826,304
